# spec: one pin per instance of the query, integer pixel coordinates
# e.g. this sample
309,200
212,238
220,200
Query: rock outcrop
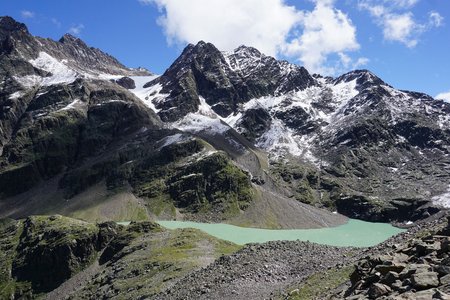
416,269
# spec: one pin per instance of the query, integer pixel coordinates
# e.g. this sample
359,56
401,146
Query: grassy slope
149,262
155,262
318,284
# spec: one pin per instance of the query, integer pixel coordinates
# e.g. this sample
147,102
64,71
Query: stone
445,244
414,268
396,285
423,280
390,277
294,292
441,295
445,279
378,289
384,269
422,295
126,82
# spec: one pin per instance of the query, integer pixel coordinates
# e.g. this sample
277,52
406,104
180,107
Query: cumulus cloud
443,96
401,28
228,24
76,29
26,14
272,26
326,31
398,22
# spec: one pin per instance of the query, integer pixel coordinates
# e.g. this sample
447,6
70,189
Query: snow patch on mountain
60,73
173,139
443,199
342,93
279,141
204,120
111,101
75,104
15,95
149,95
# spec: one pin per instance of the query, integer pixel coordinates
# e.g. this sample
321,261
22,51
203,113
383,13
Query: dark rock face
59,248
41,252
254,123
65,125
202,70
126,82
212,181
8,25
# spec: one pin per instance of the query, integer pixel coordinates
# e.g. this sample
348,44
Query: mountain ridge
309,138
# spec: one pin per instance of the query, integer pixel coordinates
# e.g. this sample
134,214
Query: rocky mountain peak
362,77
70,39
194,54
224,79
9,25
246,51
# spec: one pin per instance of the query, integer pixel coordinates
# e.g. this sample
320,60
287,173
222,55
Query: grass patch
319,283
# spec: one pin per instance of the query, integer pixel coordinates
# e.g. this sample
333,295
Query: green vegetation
152,262
316,285
207,184
141,258
120,206
10,232
307,184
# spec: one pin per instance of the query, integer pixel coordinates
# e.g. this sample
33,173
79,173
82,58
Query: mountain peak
9,25
362,76
68,38
248,51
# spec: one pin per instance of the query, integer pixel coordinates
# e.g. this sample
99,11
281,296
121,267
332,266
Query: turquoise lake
354,233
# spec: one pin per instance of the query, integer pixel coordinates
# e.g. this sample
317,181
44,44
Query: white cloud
443,96
26,14
402,3
272,26
228,24
76,29
435,19
397,21
401,28
326,31
360,62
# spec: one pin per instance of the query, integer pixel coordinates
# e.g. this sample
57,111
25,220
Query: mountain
235,137
80,136
352,142
75,122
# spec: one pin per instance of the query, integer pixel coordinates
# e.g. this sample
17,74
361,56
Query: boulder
423,280
126,82
445,279
422,295
390,277
378,289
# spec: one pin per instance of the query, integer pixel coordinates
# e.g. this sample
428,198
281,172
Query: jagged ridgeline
220,136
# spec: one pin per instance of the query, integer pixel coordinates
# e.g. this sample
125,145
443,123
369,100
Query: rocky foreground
418,268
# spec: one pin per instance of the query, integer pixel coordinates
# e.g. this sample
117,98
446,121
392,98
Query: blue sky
405,42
